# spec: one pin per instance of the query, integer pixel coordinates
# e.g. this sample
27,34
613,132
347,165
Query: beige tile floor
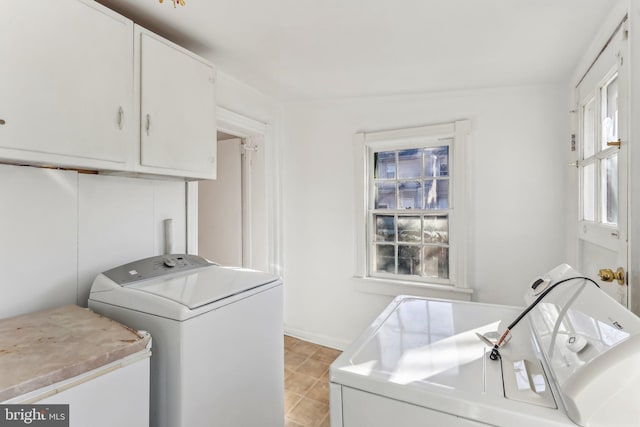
306,383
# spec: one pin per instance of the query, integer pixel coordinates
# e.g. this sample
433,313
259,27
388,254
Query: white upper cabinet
66,85
83,87
177,109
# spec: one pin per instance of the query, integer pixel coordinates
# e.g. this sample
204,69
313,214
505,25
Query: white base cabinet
113,395
83,87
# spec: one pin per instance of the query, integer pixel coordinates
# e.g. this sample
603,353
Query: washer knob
576,343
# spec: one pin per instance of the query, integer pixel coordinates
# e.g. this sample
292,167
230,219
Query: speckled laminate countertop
43,348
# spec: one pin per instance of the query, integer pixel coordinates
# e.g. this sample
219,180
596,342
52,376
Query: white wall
121,220
60,229
38,229
518,175
241,98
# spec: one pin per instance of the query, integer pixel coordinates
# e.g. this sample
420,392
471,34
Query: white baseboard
319,339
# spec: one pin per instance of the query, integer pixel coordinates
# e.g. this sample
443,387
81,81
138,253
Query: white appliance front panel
370,410
224,366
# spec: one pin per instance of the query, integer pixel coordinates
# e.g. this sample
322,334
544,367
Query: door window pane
410,163
410,195
385,228
386,195
610,112
610,189
589,129
588,192
385,258
436,261
598,175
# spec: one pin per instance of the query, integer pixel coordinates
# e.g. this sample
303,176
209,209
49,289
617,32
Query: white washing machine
217,338
573,359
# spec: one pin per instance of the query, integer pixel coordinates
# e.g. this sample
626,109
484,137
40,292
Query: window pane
410,195
589,193
610,189
610,112
436,229
385,228
409,229
386,195
436,161
409,163
385,165
436,262
588,129
385,258
409,260
437,194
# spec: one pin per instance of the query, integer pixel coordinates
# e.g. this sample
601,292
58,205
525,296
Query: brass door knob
608,275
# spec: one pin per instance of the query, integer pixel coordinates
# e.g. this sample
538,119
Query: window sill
395,287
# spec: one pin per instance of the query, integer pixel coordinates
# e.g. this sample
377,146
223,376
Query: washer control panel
153,267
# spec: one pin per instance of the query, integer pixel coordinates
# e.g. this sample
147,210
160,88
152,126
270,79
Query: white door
66,84
602,98
177,108
220,208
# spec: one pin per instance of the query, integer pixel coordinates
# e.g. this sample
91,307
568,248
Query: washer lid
428,343
204,286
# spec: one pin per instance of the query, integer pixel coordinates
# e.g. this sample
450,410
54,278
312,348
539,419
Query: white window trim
460,132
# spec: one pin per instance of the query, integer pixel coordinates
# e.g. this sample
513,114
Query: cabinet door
177,124
66,84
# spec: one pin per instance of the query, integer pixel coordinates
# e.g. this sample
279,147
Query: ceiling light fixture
176,2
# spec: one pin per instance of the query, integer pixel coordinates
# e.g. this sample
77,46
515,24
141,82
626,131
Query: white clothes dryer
217,338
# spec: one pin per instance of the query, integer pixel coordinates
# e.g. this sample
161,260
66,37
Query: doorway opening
220,206
230,219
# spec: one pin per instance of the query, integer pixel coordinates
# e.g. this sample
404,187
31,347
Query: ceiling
324,49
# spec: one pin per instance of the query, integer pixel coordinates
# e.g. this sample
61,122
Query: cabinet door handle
148,123
2,122
120,118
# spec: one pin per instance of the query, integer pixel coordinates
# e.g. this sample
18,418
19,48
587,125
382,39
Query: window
411,185
598,162
409,211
